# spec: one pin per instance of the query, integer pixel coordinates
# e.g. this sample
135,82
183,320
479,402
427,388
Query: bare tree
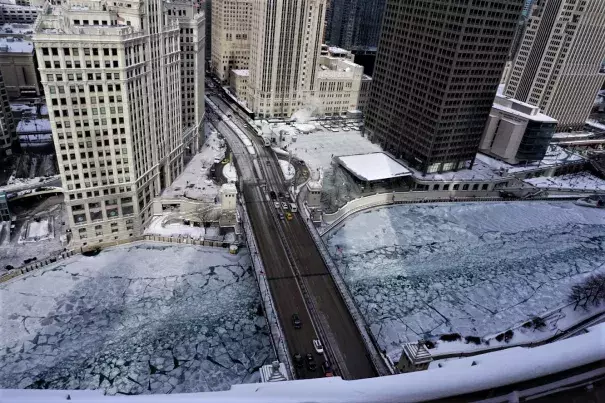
591,290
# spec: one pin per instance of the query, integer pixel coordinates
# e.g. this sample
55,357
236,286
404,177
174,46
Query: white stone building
338,85
285,44
231,21
124,89
559,66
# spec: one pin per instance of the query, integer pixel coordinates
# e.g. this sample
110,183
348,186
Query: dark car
272,194
296,321
507,195
280,195
327,369
311,365
298,360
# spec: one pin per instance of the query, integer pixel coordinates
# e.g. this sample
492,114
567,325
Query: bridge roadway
298,277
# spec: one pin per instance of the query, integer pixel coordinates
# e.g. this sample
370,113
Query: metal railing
276,331
378,360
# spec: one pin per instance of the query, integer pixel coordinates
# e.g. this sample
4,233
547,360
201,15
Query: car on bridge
311,365
276,204
281,216
327,369
284,205
272,194
296,321
288,216
318,347
298,360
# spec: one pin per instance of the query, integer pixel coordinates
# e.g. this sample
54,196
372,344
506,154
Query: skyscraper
230,36
438,68
7,124
125,93
559,64
285,44
354,24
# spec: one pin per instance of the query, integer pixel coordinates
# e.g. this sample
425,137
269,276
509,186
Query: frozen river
418,271
140,318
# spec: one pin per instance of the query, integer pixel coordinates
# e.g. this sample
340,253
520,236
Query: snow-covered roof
337,50
373,166
228,187
554,156
34,126
521,109
15,45
417,353
17,29
594,123
241,72
23,108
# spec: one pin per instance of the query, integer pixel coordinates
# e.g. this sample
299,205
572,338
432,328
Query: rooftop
554,156
241,72
16,29
373,166
34,125
15,45
521,109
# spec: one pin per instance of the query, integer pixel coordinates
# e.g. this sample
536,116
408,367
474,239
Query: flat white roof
241,72
33,126
373,166
538,117
15,45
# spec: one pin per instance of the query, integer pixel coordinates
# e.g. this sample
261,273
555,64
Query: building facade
18,66
338,84
18,13
354,24
517,132
364,93
123,85
5,214
437,72
559,65
231,21
7,123
285,45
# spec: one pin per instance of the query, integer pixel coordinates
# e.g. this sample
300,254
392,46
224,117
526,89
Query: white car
284,205
318,347
276,204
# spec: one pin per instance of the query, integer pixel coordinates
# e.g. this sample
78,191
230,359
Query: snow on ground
140,318
287,169
14,253
318,148
554,156
229,172
194,181
581,180
473,268
164,227
15,184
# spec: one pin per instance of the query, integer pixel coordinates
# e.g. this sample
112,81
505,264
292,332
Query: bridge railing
378,360
276,332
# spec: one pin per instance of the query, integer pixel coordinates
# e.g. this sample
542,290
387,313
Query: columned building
285,45
437,71
125,94
559,65
230,36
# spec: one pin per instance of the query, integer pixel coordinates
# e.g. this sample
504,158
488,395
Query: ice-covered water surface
474,268
140,318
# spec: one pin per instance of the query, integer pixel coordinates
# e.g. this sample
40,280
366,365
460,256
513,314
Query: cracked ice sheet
139,318
473,268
